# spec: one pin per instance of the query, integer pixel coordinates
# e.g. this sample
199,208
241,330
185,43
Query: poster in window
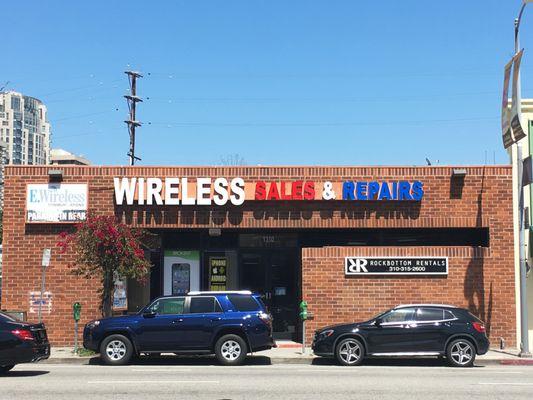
181,279
120,295
181,271
218,267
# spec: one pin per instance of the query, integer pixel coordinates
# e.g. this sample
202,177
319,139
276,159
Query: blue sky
275,81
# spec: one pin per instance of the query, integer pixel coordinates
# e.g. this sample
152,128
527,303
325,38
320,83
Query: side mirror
378,321
149,314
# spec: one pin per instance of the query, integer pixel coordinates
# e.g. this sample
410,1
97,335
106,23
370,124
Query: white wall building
25,128
63,157
526,143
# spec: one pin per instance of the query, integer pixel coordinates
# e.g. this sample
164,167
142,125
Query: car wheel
5,368
116,350
231,350
461,353
350,352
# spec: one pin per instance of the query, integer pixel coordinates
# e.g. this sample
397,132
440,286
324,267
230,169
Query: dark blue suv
228,324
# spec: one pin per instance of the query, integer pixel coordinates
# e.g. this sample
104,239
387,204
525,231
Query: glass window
15,103
244,303
8,318
202,305
173,305
448,315
429,314
399,315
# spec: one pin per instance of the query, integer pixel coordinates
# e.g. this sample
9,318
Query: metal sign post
47,253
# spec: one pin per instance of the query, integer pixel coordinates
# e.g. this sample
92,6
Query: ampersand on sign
328,193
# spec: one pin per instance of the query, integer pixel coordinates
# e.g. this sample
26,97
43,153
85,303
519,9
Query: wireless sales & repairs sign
221,191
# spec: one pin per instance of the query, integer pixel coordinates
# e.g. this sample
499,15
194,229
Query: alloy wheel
461,352
231,350
350,351
116,350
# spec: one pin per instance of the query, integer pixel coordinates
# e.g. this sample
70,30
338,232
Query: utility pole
132,101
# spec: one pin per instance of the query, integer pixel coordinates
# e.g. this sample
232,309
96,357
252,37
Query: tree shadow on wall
474,283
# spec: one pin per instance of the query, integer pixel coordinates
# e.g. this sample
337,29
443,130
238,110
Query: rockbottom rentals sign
396,266
220,191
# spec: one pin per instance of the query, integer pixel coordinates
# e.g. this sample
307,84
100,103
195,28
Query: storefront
351,241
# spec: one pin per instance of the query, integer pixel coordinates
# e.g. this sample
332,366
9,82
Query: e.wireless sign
56,202
221,191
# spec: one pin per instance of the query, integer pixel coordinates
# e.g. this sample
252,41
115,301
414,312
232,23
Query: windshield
382,314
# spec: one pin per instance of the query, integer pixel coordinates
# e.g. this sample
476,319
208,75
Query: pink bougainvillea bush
104,247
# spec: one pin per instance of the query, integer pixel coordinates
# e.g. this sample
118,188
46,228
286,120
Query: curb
69,360
285,360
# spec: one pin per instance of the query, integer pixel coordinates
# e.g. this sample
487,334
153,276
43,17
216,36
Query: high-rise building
25,129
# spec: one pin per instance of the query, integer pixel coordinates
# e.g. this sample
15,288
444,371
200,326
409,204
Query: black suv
407,330
228,324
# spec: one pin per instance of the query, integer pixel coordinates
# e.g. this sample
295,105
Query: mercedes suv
227,324
407,330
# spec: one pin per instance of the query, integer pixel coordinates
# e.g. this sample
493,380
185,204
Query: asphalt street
206,380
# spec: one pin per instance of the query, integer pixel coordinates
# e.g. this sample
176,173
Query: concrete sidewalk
293,355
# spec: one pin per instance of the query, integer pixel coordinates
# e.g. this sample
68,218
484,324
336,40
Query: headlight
93,324
325,334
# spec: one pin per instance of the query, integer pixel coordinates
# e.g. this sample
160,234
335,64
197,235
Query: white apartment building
25,129
63,157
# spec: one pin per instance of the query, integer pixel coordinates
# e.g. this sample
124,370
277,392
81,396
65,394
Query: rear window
202,305
429,314
244,303
474,317
8,318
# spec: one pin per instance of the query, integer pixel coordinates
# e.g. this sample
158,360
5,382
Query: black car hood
344,327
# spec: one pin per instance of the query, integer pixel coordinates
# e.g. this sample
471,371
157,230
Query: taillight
478,326
266,318
23,334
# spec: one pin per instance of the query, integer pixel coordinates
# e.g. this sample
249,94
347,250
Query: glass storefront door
274,274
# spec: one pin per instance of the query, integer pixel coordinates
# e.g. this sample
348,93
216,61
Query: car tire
461,353
231,350
4,369
350,352
116,350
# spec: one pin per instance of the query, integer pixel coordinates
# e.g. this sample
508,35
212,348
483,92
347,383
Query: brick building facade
299,246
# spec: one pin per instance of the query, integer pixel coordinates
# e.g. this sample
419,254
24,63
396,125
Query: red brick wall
477,279
483,201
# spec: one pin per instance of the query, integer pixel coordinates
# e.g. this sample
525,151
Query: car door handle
216,319
177,321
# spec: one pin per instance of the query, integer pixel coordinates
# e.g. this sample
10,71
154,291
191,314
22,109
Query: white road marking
428,369
506,383
129,382
161,369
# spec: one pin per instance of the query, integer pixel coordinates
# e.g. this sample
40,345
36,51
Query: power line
363,99
55,120
319,124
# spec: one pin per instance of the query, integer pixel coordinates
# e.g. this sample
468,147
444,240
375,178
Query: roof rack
425,305
207,292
